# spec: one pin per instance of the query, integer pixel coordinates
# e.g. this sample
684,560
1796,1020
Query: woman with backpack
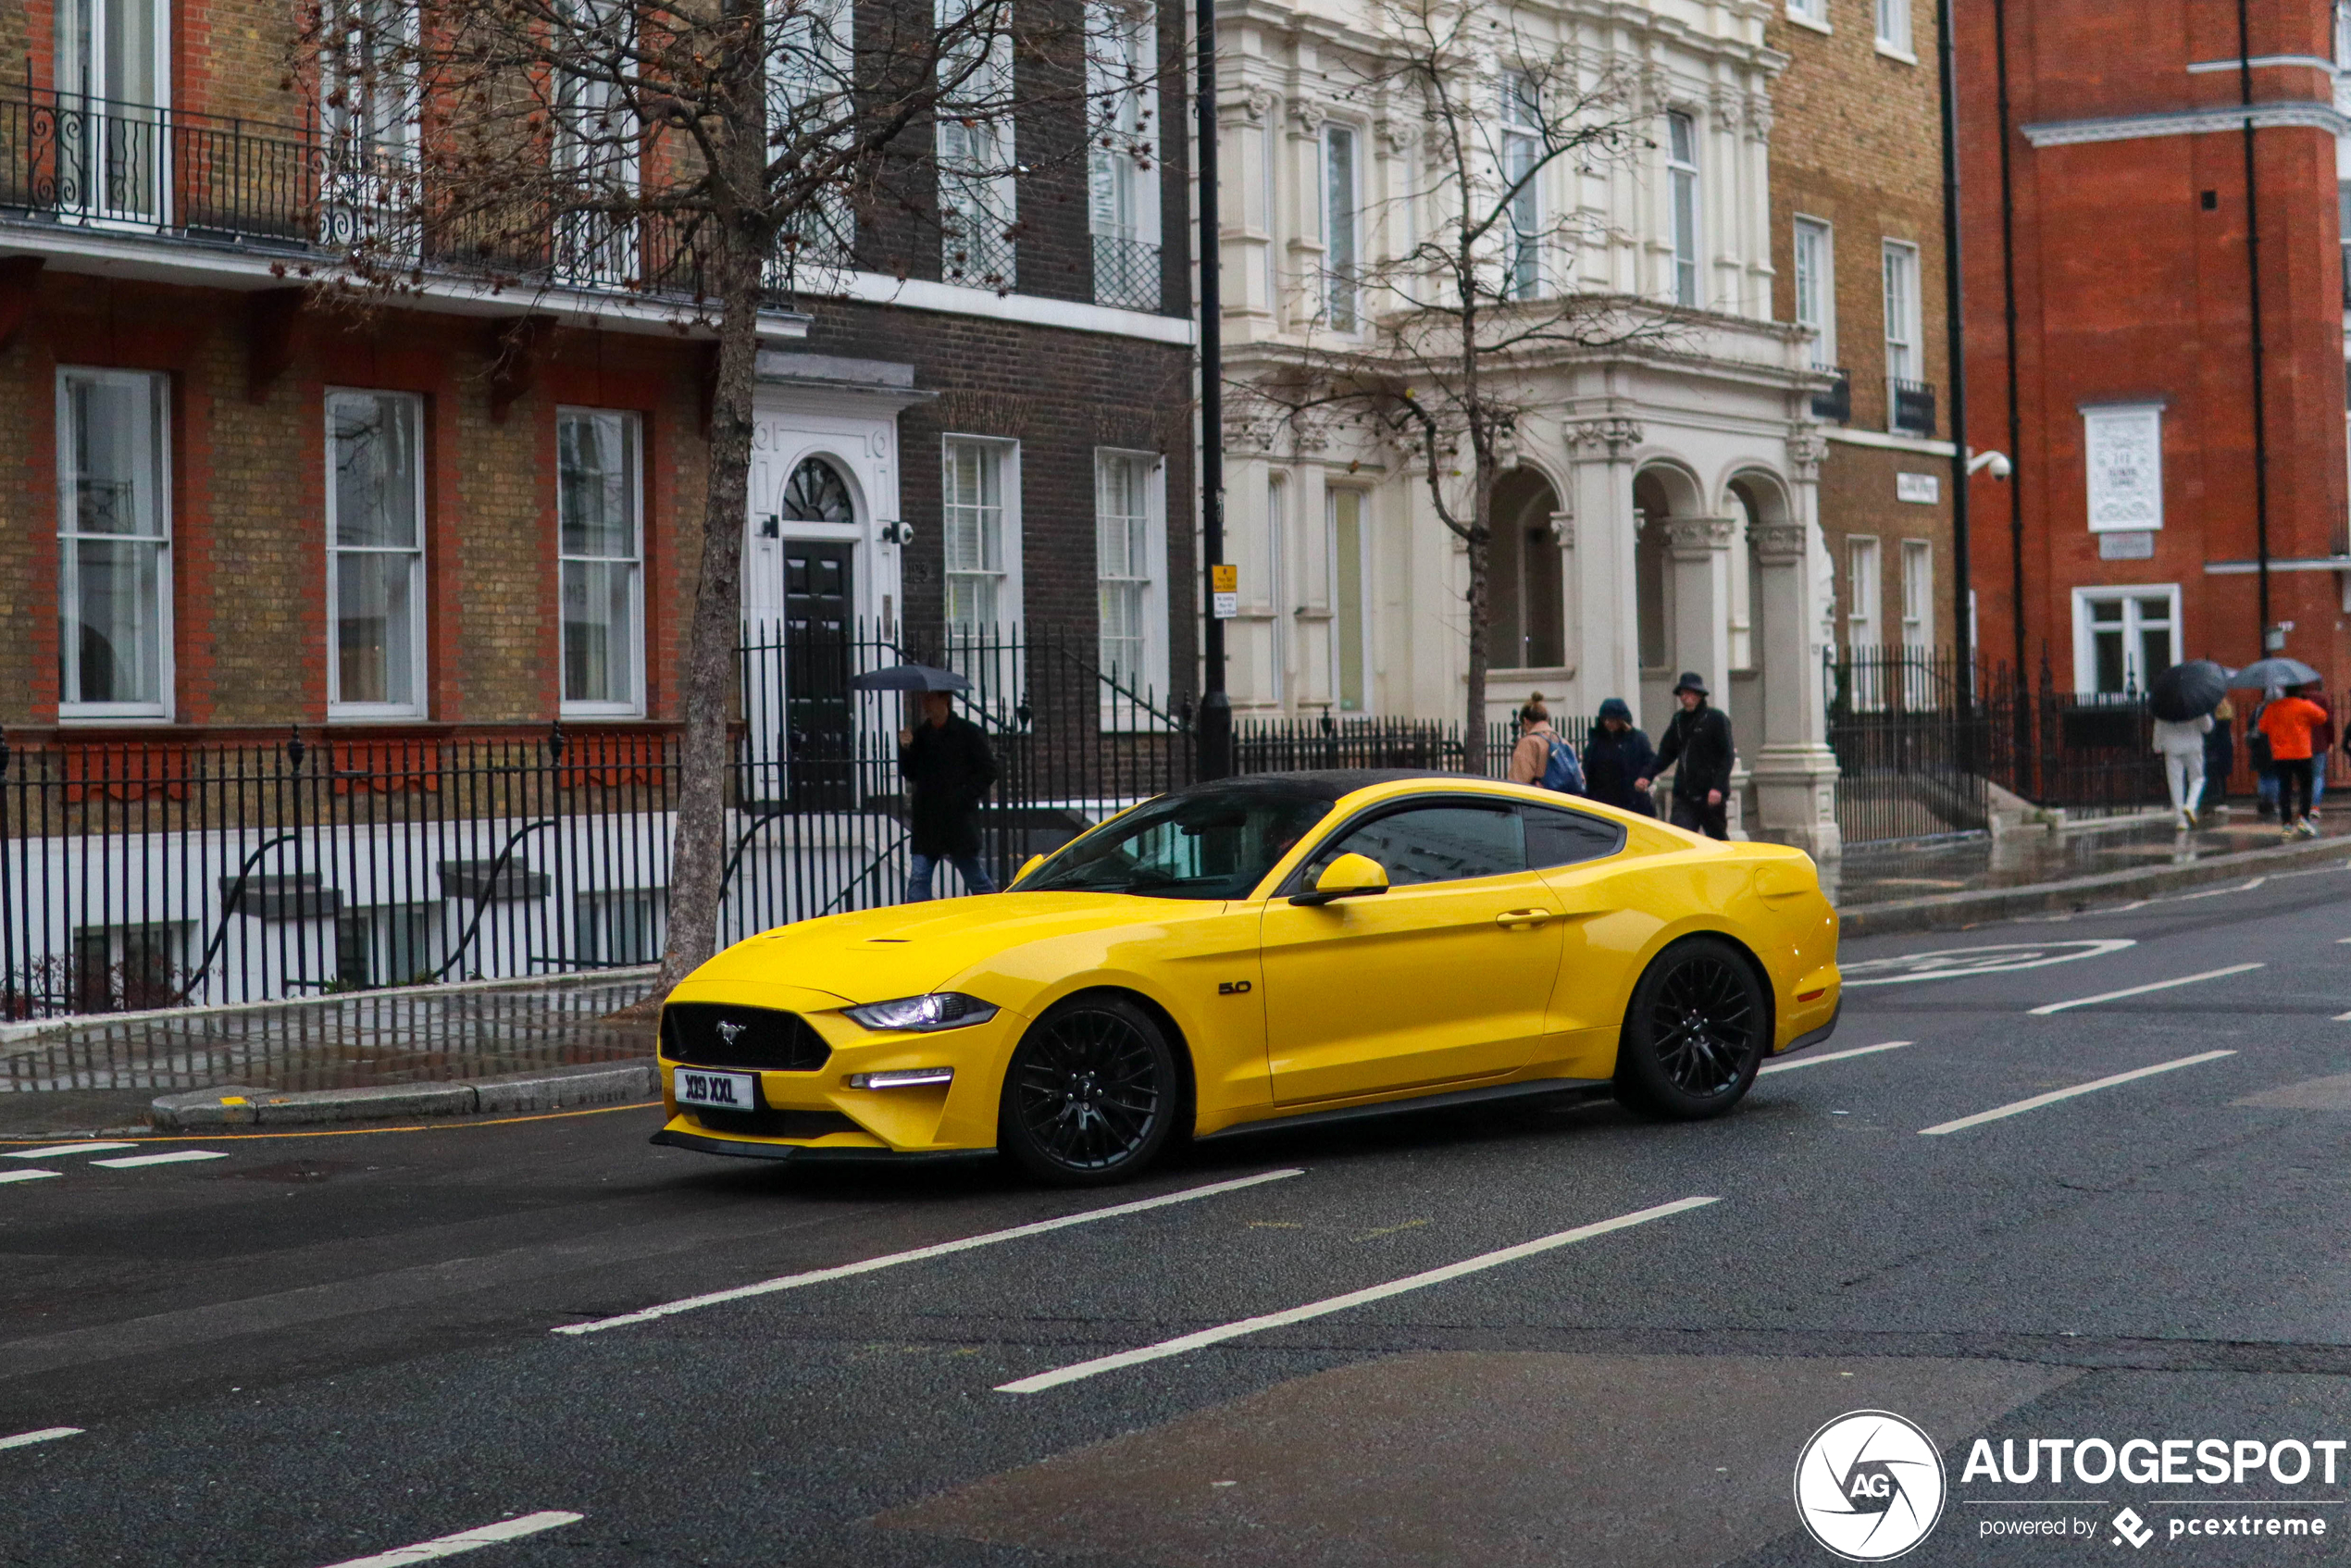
1614,755
1540,756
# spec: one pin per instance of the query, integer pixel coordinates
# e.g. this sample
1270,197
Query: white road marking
55,1150
464,1540
940,1250
1177,1347
2053,1096
2142,990
178,1157
2342,1018
46,1435
26,1175
1830,1056
1959,962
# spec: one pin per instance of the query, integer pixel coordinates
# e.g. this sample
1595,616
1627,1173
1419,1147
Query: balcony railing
1910,407
1836,404
1127,273
137,168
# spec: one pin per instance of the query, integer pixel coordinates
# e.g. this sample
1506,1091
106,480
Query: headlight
939,1010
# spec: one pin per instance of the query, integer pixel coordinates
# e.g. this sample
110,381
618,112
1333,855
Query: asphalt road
312,1350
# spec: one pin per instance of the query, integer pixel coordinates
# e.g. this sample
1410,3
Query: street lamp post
1216,706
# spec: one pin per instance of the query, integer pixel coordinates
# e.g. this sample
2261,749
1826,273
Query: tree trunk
698,858
1481,537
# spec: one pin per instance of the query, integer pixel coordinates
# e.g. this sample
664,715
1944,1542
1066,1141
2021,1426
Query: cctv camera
2000,465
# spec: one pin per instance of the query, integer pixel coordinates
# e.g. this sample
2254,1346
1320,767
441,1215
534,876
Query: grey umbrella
909,677
2262,674
2188,690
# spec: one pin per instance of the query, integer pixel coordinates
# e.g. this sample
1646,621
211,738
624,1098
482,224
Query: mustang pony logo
731,1031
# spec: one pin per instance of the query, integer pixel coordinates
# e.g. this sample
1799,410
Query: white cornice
2263,62
950,299
1925,446
2187,123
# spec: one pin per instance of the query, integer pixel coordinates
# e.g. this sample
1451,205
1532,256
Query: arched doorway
1524,595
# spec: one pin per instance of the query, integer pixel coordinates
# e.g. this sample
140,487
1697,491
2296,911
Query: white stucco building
1661,512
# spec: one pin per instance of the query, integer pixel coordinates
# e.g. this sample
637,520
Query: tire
1694,1033
1091,1095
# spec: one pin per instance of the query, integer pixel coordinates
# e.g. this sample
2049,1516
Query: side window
1563,838
1433,843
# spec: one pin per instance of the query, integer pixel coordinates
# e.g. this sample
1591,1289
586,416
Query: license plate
720,1091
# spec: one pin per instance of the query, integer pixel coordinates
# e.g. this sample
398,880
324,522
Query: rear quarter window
1566,838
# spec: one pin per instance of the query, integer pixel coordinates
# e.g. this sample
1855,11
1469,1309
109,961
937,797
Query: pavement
2078,1178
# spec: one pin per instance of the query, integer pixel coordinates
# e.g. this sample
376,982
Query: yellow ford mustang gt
1260,950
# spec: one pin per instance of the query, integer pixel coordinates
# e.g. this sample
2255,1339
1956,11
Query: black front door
818,724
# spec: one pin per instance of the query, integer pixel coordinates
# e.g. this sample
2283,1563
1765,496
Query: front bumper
765,1149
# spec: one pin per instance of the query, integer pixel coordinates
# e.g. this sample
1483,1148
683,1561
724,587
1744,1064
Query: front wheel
1091,1094
1694,1033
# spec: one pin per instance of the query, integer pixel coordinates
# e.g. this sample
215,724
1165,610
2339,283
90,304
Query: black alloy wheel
1093,1093
1696,1032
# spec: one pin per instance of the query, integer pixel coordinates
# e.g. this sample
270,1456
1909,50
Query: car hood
876,955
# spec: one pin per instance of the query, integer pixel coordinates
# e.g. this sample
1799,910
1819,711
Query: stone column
1605,630
1794,771
1701,548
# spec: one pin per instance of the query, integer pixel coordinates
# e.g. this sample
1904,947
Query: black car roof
1322,784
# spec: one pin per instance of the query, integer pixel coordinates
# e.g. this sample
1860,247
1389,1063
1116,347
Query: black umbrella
2262,674
910,677
2188,690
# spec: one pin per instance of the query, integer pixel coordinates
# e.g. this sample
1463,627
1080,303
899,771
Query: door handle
1521,918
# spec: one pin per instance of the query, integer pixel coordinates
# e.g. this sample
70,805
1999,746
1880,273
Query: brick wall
1857,143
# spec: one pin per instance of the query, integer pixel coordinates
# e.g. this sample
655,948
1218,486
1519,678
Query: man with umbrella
2182,699
948,769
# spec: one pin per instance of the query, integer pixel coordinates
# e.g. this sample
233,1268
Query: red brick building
2117,258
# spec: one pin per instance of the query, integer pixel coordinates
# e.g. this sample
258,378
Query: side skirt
1577,1090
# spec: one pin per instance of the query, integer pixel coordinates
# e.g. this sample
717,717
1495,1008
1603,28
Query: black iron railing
1912,411
1127,273
1835,405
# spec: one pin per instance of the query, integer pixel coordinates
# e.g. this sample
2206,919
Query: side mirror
1351,876
1031,863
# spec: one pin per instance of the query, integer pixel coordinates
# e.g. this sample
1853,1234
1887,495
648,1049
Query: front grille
772,1123
765,1039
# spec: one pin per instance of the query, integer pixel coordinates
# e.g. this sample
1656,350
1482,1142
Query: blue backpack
1562,772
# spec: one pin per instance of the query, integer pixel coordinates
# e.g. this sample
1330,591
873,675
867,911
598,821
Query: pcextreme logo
1870,1486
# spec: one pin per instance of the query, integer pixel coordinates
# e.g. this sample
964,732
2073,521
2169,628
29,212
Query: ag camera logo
1870,1486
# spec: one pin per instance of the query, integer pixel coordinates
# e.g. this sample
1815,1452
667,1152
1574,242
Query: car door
1444,977
1580,856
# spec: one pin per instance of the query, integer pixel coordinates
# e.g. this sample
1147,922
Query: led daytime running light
904,1077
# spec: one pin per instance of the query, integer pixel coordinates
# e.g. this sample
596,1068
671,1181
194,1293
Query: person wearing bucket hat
1700,739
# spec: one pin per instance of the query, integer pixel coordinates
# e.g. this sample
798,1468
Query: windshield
1207,844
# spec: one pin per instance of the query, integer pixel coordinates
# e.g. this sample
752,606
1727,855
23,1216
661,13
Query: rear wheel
1091,1094
1696,1032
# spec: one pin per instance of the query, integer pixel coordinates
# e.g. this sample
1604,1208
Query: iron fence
1127,272
1909,750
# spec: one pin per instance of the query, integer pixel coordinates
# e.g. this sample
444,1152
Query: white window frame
1149,675
1905,330
419,579
984,191
1521,147
1894,30
1342,233
1814,14
369,120
156,461
1684,218
633,636
1276,586
1338,605
596,146
81,63
1918,593
1006,457
1123,93
1863,592
2086,662
812,62
1814,264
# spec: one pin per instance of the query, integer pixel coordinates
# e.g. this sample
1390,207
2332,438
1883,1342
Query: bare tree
1436,339
721,153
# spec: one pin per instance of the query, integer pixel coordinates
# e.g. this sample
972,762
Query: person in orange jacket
2291,723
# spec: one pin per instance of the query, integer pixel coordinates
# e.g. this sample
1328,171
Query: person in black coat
1615,755
2220,755
948,769
1700,739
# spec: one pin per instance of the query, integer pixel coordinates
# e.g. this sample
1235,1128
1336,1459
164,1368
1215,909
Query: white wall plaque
2122,452
1918,487
2135,545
